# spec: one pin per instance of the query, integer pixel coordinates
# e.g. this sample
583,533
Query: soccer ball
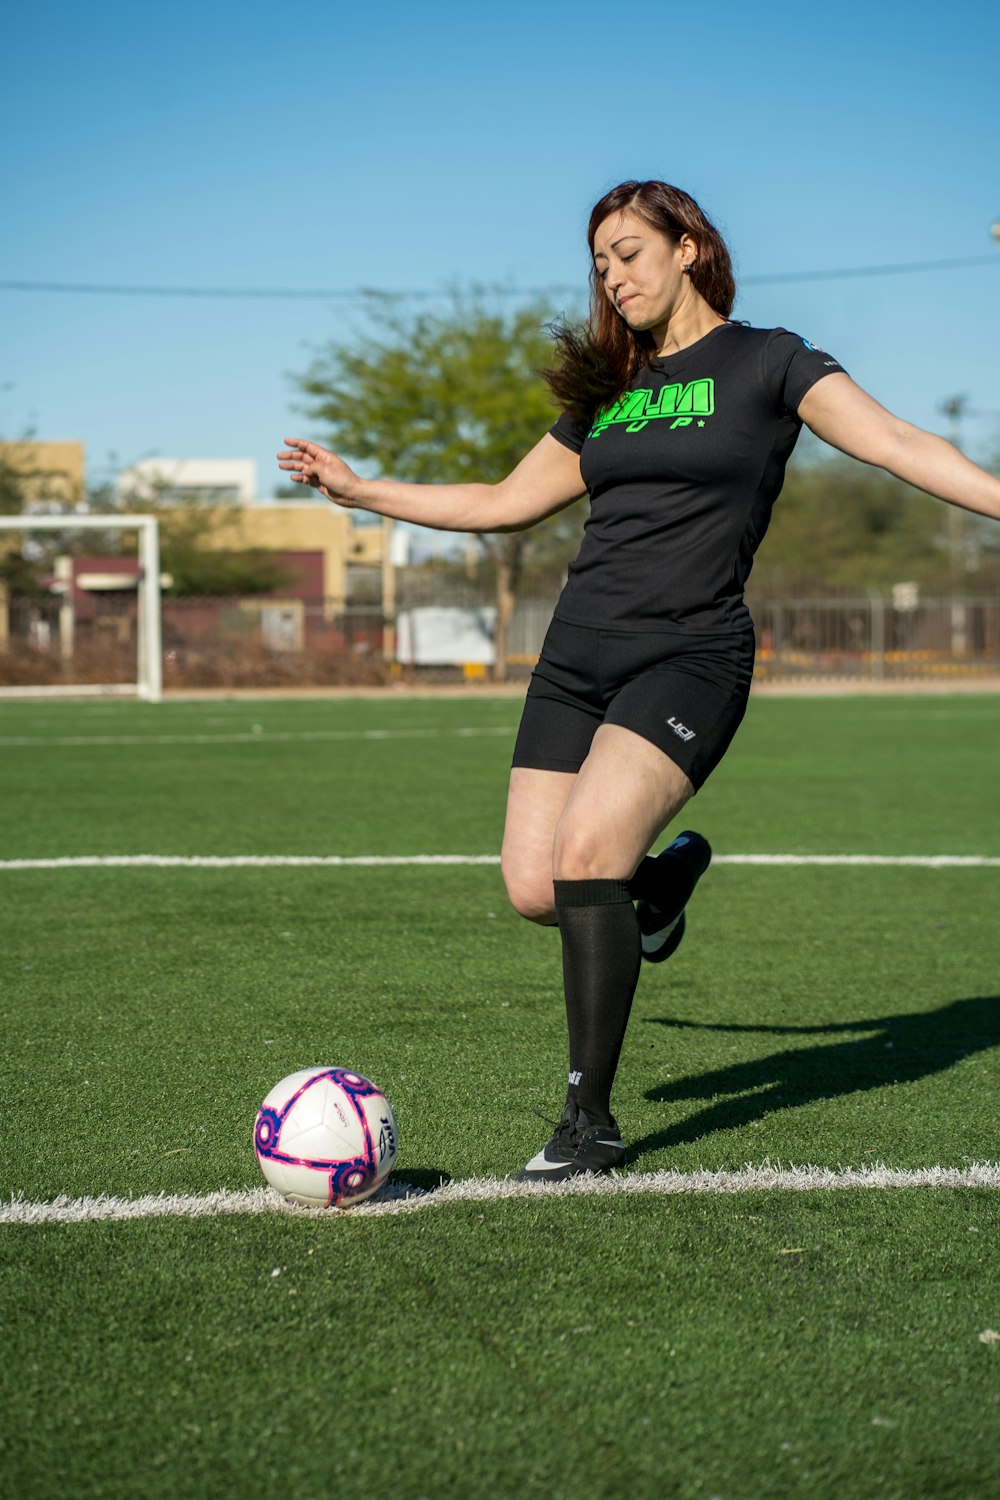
325,1138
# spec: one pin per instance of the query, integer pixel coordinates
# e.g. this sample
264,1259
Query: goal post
149,652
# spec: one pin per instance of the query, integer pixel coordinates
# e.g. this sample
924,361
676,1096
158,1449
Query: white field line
239,861
336,861
249,737
914,861
398,1198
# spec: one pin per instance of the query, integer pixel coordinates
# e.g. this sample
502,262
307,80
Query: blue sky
401,146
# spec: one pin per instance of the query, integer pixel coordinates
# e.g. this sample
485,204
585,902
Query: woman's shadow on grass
900,1049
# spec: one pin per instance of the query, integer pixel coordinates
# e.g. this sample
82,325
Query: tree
840,522
199,571
185,529
447,397
25,479
195,568
13,486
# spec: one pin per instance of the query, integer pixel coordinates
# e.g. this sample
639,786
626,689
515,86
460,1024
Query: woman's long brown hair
598,361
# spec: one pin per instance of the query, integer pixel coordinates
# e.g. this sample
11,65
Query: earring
688,268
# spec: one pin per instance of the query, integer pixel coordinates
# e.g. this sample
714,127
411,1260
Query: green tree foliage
843,524
199,571
194,568
447,397
21,477
17,573
13,490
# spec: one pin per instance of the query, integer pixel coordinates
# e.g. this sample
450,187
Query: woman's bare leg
626,793
535,803
571,846
598,822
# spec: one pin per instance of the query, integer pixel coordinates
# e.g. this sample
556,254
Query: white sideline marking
914,861
255,737
334,861
239,861
398,1198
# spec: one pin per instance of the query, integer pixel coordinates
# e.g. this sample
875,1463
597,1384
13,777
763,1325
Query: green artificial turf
743,1347
760,1346
157,1008
894,775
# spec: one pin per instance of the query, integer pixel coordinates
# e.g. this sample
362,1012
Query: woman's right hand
308,463
547,479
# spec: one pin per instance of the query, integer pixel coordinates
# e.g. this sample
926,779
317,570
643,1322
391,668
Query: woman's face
640,269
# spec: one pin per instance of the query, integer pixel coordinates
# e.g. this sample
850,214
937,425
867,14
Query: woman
679,424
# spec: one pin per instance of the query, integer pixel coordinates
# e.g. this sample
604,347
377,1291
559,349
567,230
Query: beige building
313,526
341,557
48,475
236,520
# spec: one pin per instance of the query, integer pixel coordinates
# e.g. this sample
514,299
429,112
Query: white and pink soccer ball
325,1138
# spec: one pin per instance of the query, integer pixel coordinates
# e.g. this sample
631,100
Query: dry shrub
240,665
28,666
250,666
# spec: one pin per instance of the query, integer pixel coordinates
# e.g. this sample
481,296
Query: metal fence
874,637
877,637
260,642
243,642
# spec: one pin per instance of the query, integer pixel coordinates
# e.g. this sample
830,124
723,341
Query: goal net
55,630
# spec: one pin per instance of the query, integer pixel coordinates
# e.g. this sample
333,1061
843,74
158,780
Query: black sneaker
661,932
577,1146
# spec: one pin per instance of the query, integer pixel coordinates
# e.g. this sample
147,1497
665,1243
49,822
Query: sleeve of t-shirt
570,431
792,366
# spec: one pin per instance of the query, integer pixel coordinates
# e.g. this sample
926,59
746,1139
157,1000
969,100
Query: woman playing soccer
679,424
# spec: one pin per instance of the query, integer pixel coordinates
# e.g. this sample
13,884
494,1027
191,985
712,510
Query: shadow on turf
901,1049
427,1179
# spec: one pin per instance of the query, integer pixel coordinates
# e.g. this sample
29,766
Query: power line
327,294
843,273
299,294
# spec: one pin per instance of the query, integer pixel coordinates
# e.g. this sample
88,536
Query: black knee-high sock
601,959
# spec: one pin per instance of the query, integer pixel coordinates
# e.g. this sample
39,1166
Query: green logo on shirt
681,402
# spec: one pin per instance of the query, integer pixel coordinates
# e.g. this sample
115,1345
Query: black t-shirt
682,473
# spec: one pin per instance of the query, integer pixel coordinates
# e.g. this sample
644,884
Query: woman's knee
530,894
580,853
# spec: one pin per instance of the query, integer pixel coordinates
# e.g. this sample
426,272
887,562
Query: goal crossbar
149,671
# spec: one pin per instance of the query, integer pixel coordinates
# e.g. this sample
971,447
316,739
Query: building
337,564
351,547
188,481
44,476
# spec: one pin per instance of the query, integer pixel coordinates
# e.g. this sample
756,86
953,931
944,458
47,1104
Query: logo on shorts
681,730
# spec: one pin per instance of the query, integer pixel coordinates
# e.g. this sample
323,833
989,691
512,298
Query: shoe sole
560,1174
554,1171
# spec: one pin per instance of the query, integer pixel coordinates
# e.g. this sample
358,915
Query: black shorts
686,694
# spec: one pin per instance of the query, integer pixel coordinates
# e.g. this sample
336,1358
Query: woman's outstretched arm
546,480
842,414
